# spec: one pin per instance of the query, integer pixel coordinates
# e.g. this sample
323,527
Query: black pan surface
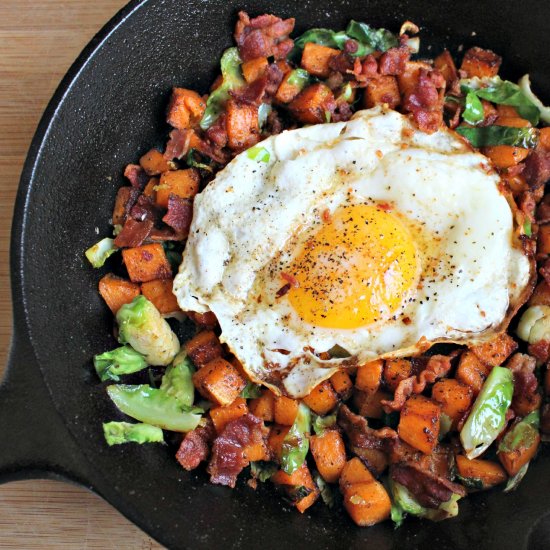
108,111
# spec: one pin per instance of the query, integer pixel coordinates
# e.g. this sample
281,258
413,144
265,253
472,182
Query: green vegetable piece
299,78
525,86
117,433
321,423
500,135
258,153
154,407
263,471
98,254
190,161
473,111
178,380
514,481
502,92
143,327
471,483
397,515
124,360
522,435
487,416
232,79
327,494
296,442
338,352
298,492
263,112
346,93
251,391
527,229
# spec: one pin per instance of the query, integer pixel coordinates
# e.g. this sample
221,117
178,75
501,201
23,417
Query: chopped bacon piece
195,446
133,233
145,209
204,320
217,133
228,456
341,63
525,381
537,168
540,350
178,144
543,210
393,61
263,36
179,215
364,71
136,176
262,89
424,101
544,270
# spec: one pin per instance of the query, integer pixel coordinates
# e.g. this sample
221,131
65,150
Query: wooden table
39,39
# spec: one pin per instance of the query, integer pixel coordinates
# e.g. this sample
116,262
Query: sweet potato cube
159,293
480,62
301,477
367,503
472,372
514,460
285,410
146,263
419,423
150,189
370,404
219,382
221,416
183,183
487,472
505,156
254,69
264,406
119,211
543,240
286,91
382,90
454,398
322,399
329,453
396,370
342,384
241,125
256,451
316,59
154,163
117,291
354,471
185,109
275,440
203,348
497,350
369,376
445,64
312,104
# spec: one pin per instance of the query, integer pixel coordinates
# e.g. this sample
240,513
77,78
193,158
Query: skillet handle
34,442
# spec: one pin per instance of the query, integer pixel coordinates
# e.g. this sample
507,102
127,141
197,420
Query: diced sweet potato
480,62
284,66
370,404
376,460
505,156
203,348
543,240
382,90
219,382
544,138
117,291
154,163
159,292
256,451
354,471
454,397
409,78
396,370
185,109
275,440
264,406
487,472
183,183
329,453
342,384
119,210
419,423
514,460
204,320
472,372
497,350
241,125
285,410
312,103
506,111
146,263
369,376
541,295
221,416
254,69
286,91
446,66
150,190
322,399
316,58
367,503
301,477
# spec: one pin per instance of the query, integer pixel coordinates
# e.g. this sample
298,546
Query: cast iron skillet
109,110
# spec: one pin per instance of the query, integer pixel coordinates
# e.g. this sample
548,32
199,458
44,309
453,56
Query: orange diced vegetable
369,376
454,397
506,111
322,399
370,404
544,138
514,460
419,423
354,471
487,472
505,156
286,91
497,350
146,263
154,163
342,384
446,66
285,410
203,348
512,122
275,440
383,89
150,189
241,125
376,460
117,291
367,503
395,371
472,372
301,477
119,210
219,382
221,416
254,69
183,183
159,293
312,104
480,62
264,406
543,240
256,451
185,109
329,453
316,58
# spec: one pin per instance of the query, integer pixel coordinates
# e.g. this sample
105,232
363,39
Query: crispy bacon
543,210
527,204
133,233
179,215
364,70
217,133
178,144
203,320
263,36
436,367
228,456
537,168
393,61
136,176
544,270
425,100
145,209
525,381
195,446
342,63
540,350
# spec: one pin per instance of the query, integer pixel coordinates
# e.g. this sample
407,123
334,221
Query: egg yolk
356,270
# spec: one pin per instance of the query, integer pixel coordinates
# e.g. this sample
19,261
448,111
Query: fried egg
344,242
